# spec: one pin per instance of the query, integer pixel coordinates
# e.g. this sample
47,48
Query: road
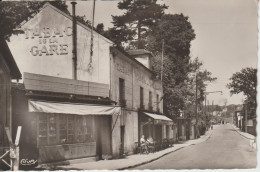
225,149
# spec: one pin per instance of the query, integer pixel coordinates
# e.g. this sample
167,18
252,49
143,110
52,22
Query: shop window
141,97
89,133
42,131
65,129
70,131
52,129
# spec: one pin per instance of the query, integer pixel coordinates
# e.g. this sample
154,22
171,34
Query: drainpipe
74,42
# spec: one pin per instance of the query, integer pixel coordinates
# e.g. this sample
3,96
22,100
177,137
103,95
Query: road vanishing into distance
225,149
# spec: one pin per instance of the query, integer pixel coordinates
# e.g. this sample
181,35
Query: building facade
8,71
64,118
55,107
139,93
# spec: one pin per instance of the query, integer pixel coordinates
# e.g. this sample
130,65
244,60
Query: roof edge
47,4
132,58
9,59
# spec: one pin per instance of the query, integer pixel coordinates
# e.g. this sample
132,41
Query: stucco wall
5,101
131,131
46,48
135,76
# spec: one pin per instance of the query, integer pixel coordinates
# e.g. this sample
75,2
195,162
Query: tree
197,78
137,21
177,33
12,13
100,28
245,82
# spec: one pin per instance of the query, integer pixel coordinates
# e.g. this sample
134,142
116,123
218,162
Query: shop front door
103,128
122,138
158,133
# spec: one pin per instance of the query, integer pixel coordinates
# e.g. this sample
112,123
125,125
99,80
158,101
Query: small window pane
52,129
71,129
63,128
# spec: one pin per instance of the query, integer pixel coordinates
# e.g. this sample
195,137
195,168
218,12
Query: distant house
216,113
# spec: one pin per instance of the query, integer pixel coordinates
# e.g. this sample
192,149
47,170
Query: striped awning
72,108
158,117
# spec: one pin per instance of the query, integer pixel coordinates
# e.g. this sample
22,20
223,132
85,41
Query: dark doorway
122,139
103,128
99,144
187,131
158,133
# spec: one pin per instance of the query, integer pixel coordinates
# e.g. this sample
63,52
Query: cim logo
28,162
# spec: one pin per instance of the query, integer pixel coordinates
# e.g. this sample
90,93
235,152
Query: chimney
142,56
74,42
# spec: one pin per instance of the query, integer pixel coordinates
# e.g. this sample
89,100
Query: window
64,129
42,135
141,97
70,129
157,102
52,129
122,91
150,105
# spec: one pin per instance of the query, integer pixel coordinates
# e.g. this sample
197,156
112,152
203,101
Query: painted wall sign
140,76
48,41
123,67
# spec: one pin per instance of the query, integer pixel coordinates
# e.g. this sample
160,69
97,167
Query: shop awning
72,108
158,117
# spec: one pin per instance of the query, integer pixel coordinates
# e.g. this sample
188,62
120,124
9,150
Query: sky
226,36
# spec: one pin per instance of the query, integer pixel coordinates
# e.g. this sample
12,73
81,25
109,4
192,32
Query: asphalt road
225,149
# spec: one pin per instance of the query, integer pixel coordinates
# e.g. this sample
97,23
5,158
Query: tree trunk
139,35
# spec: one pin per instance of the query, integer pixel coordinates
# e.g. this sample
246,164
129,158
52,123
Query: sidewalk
250,137
132,160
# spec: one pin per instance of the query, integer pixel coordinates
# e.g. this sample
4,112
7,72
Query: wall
5,110
131,131
174,132
28,122
29,142
192,134
135,76
145,60
251,126
46,48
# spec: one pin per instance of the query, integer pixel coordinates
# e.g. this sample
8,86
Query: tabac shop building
99,114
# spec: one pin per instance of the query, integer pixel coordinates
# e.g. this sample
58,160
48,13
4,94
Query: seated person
150,140
144,144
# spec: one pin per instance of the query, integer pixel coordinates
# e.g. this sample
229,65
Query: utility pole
162,60
245,117
196,96
212,107
74,42
205,104
90,65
